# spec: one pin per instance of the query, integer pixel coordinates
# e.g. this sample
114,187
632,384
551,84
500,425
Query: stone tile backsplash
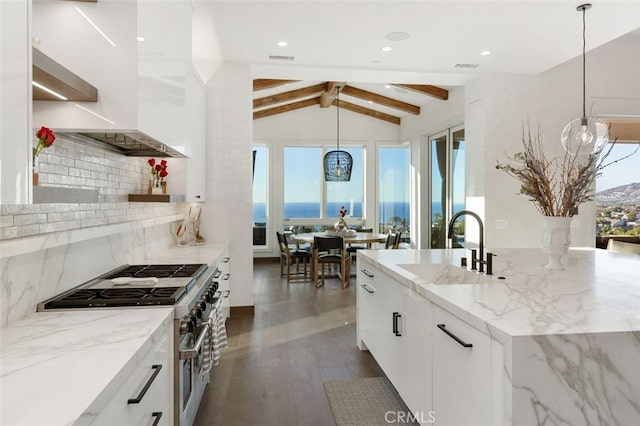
72,164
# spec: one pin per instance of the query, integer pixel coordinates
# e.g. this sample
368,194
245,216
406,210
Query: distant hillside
624,195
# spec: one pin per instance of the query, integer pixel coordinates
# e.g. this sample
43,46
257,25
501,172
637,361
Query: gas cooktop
131,285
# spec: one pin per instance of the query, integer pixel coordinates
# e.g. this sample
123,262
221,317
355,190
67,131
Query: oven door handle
191,353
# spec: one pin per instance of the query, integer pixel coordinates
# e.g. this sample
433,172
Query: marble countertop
56,366
210,253
599,291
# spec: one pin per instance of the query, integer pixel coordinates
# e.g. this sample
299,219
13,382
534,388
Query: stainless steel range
193,291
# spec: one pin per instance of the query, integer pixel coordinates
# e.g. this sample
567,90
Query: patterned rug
366,401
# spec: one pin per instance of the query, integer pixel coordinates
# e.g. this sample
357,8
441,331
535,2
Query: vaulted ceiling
383,102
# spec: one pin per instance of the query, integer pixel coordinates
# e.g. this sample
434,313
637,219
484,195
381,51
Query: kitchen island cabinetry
558,345
461,371
391,324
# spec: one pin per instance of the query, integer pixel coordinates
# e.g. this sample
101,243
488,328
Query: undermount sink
442,273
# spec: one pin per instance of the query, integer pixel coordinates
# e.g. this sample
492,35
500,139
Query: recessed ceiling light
485,52
387,86
140,38
387,49
375,61
370,102
282,43
397,36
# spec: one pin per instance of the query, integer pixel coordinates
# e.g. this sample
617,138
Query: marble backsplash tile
27,279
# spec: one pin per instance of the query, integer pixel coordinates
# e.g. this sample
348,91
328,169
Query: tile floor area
273,370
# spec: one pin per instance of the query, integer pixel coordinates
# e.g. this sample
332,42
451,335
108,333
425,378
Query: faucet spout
480,259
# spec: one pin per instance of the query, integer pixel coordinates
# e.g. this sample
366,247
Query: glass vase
36,176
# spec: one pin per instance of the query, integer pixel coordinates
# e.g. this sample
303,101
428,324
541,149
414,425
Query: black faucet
474,260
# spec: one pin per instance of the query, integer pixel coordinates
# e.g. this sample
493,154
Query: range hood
132,143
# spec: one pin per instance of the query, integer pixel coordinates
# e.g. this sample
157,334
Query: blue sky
622,172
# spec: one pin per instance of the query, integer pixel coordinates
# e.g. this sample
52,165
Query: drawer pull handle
217,273
368,288
144,390
225,277
226,260
158,416
396,316
367,273
454,337
226,294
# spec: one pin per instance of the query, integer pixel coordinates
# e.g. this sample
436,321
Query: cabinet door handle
144,390
225,277
368,288
158,416
367,273
217,273
396,316
226,260
443,327
226,294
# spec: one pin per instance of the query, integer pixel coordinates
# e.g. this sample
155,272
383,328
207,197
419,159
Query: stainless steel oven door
190,367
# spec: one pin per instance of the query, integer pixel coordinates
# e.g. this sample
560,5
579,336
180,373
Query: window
393,188
447,162
260,195
311,202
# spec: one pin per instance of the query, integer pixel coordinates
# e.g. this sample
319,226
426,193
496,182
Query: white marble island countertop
57,366
598,291
210,253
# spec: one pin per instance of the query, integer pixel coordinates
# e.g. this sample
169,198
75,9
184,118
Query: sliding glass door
447,194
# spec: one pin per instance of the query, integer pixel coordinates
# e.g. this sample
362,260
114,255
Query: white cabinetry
196,114
393,323
15,102
140,75
461,371
147,395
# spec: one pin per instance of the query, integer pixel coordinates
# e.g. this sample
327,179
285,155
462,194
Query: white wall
226,216
315,125
496,108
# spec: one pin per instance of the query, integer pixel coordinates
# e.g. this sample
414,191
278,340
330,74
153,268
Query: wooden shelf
56,77
156,198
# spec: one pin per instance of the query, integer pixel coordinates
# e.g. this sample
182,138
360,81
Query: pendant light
337,164
584,135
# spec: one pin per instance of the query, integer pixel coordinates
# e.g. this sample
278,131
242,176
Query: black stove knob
196,313
206,297
202,305
187,325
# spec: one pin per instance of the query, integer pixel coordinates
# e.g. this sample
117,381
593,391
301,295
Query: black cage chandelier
337,164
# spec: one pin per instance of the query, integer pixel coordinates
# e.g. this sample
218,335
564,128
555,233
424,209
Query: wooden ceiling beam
289,96
369,112
267,83
285,108
381,100
329,95
426,89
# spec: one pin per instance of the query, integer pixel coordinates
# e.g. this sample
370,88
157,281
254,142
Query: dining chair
330,251
391,240
353,248
289,256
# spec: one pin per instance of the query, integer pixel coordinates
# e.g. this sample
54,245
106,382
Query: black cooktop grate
158,271
116,297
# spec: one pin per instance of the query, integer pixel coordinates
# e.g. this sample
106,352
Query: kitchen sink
442,273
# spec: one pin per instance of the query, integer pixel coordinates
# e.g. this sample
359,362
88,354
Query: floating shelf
56,77
156,198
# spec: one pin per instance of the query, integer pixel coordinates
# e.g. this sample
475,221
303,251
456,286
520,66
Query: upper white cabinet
15,101
136,53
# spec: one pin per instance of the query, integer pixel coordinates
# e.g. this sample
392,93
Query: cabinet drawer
461,371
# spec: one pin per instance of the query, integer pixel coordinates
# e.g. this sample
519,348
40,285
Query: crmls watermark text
403,417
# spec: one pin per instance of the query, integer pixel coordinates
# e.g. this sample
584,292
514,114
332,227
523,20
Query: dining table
367,238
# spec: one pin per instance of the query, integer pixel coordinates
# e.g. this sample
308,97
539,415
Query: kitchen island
522,346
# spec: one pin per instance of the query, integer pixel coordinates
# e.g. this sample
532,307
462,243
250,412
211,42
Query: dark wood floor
273,370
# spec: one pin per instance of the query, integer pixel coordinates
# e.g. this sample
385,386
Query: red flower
163,163
45,140
152,162
163,173
158,167
158,171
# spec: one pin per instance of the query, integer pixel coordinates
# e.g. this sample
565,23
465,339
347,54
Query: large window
312,202
260,195
447,160
393,189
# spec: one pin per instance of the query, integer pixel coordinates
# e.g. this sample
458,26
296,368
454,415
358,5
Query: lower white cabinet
390,326
146,398
461,371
